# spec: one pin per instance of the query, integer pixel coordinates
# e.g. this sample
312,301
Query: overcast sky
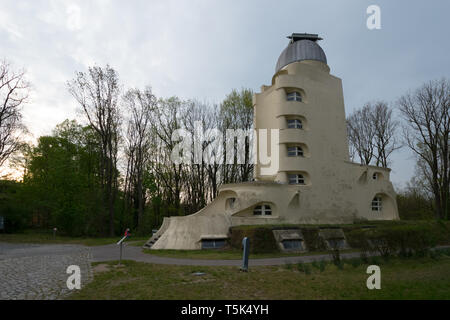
203,49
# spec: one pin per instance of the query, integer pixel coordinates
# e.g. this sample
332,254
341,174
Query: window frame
298,178
294,96
297,123
292,244
377,204
263,209
216,243
295,151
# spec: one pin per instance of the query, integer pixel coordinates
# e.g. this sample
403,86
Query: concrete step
151,242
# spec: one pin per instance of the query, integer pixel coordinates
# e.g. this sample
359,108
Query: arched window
262,210
296,179
294,124
376,204
294,96
295,151
230,203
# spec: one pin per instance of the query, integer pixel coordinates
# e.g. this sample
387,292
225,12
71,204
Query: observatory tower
309,178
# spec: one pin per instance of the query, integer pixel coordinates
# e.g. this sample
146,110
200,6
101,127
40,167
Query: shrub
435,254
304,268
358,239
397,239
355,262
322,265
312,239
375,260
336,255
315,264
445,251
288,266
261,239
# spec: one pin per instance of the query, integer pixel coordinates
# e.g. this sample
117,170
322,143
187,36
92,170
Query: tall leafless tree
140,106
14,90
372,134
427,133
385,137
236,112
361,133
97,92
168,118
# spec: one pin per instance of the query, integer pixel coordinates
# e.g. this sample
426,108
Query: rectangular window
262,210
293,244
294,124
213,243
294,96
376,204
295,151
292,151
296,179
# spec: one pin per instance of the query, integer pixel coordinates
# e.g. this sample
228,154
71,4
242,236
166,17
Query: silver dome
300,50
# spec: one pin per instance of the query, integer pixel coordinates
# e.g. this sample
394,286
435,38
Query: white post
120,244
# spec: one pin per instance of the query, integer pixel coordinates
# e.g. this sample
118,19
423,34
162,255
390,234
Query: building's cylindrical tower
306,104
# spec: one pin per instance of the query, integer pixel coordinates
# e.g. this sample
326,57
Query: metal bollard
246,244
127,235
120,258
120,243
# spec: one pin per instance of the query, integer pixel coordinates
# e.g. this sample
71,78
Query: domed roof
302,47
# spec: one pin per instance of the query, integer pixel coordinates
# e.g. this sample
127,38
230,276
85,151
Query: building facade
303,174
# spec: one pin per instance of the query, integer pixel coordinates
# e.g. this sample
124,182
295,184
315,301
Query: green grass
47,238
414,278
226,254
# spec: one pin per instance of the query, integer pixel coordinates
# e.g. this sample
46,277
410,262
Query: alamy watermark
374,281
74,280
374,18
235,146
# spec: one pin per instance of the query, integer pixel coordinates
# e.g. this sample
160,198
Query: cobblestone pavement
39,271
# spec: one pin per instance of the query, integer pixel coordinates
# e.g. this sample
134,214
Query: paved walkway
29,271
111,252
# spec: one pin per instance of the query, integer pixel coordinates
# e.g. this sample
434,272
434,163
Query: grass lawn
412,278
226,254
47,238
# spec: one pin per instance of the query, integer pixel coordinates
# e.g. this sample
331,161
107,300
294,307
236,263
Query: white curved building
310,179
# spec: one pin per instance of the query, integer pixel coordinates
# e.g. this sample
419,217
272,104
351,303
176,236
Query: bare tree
168,118
97,92
427,133
140,106
361,133
14,91
385,137
236,112
372,134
